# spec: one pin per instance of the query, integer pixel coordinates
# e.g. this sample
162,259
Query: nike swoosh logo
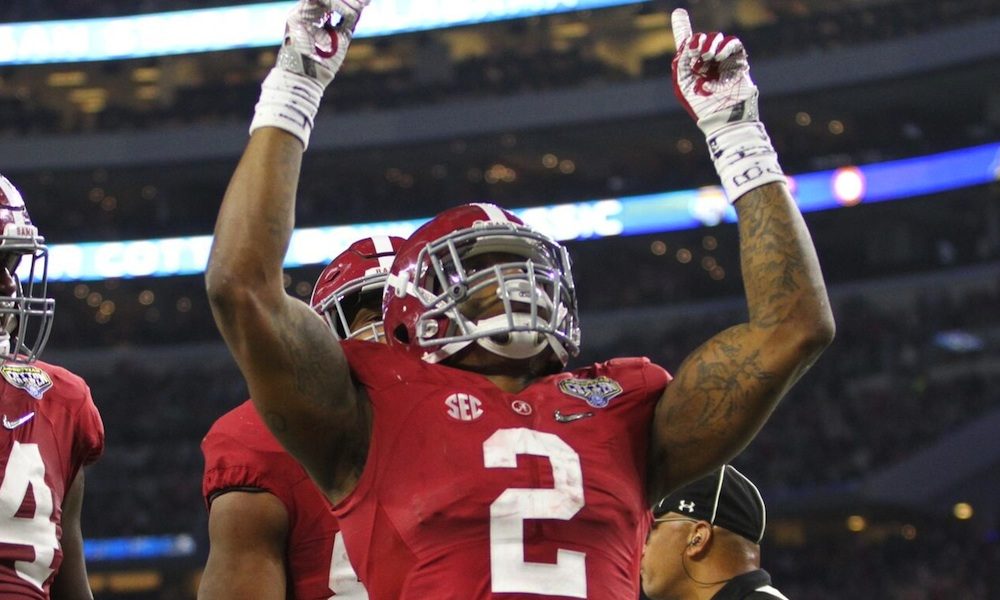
18,422
571,417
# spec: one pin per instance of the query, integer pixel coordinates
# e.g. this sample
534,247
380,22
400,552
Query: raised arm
297,374
726,389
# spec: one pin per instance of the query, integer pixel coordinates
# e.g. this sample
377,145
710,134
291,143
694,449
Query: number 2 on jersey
343,580
509,570
24,467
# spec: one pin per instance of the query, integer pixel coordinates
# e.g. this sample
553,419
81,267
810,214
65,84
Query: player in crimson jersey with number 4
273,534
465,462
51,428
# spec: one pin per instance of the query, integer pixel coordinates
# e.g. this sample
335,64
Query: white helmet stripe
383,245
493,212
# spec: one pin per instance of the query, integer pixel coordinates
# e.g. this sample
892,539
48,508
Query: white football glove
317,36
712,82
712,77
314,45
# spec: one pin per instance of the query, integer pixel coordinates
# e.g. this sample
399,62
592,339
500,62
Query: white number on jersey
343,580
510,572
24,467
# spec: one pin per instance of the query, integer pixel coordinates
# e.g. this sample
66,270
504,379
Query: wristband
288,101
744,158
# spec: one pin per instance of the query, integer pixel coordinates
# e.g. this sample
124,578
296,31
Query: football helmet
477,274
353,276
26,311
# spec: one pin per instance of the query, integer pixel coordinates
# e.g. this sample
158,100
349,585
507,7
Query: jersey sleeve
231,465
89,442
654,377
657,378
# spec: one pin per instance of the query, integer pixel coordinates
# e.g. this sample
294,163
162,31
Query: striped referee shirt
755,585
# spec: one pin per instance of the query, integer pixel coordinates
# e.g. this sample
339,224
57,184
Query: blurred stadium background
880,469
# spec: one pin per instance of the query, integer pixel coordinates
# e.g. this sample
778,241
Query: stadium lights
246,26
140,547
585,220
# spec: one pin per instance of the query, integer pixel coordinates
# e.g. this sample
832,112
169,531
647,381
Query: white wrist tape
744,158
288,101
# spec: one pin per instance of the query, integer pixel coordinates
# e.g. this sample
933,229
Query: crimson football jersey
241,454
51,429
471,493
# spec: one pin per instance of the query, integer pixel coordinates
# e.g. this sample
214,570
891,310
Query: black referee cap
725,498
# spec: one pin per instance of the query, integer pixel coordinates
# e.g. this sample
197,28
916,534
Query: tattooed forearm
726,389
721,382
774,250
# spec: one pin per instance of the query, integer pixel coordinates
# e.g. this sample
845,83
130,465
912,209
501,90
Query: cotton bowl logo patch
30,379
597,392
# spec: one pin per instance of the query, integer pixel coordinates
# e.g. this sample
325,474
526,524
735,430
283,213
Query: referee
704,542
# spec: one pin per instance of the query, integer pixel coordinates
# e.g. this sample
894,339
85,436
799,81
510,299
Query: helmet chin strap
516,345
519,344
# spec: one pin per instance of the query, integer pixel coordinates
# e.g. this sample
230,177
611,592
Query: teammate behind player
51,428
272,533
495,474
705,542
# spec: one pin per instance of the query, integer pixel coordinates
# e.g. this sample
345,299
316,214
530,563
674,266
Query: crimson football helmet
352,276
477,274
26,311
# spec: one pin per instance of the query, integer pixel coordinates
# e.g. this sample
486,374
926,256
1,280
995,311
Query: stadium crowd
421,72
953,229
943,562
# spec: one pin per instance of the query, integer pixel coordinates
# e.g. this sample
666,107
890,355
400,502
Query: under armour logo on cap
725,498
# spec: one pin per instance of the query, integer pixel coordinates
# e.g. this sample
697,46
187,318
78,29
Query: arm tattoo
726,389
771,249
720,378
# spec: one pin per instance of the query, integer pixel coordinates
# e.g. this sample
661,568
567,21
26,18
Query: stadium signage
247,26
592,219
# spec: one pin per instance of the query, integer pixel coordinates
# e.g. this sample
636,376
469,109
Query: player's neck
510,383
510,375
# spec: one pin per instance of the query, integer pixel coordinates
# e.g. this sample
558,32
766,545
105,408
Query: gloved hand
712,82
317,36
315,45
712,76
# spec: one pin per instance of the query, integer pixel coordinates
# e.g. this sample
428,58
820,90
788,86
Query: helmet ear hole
401,334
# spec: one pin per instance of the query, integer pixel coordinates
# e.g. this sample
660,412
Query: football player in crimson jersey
272,531
51,428
465,463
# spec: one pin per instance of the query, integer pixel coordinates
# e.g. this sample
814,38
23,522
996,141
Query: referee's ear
700,539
